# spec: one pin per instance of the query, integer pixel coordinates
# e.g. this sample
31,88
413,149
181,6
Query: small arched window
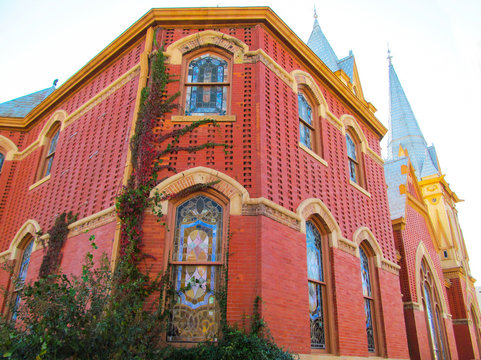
207,85
434,322
317,286
196,260
21,276
48,156
306,125
353,159
368,294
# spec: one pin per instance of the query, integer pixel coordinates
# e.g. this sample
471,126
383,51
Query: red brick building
301,196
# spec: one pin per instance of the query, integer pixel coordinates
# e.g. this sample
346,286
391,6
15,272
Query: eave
212,16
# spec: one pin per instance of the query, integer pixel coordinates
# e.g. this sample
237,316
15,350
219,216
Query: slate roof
394,178
20,107
321,47
404,130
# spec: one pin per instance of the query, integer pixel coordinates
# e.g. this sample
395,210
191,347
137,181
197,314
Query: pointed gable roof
347,64
20,107
404,130
321,47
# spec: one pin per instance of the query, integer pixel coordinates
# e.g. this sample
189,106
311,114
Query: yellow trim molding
192,118
313,154
360,188
40,182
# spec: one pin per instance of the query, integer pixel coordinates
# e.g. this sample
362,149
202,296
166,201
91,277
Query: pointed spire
321,47
404,129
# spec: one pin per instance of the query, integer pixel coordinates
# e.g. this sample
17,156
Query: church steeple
404,130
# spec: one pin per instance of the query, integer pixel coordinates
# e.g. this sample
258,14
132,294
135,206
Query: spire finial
315,12
389,56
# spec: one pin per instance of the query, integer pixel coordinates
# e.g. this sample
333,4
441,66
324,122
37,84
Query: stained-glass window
368,300
22,275
207,86
434,322
51,152
305,121
317,286
353,161
196,260
2,159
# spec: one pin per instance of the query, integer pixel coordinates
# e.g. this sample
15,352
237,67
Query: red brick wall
89,160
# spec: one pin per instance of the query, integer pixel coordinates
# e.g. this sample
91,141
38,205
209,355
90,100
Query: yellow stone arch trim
422,252
304,78
58,116
8,146
30,227
176,50
226,185
315,207
364,234
349,121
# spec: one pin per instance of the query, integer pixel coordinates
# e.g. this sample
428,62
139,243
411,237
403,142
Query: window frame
326,289
3,157
193,55
370,298
170,245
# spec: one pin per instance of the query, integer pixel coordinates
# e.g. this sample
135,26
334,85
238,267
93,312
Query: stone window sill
40,182
314,155
192,118
360,188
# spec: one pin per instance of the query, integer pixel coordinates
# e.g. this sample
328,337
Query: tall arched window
474,317
434,322
207,85
196,260
368,293
353,159
22,275
317,285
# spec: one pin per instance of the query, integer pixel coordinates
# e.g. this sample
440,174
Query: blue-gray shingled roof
394,178
347,64
321,47
20,107
404,130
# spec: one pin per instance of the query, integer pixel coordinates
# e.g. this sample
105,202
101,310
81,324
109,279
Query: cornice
194,16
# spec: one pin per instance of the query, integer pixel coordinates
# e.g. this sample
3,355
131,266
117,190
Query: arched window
368,293
353,159
2,160
207,85
49,153
317,285
434,322
196,260
474,317
21,276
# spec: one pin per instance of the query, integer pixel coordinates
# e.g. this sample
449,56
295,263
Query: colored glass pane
53,143
202,100
430,317
314,253
351,148
366,279
305,135
371,347
197,241
316,314
316,287
2,159
305,110
22,275
207,69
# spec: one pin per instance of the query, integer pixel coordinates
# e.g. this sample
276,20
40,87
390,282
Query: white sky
436,48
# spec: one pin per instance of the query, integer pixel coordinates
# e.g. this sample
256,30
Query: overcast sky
436,48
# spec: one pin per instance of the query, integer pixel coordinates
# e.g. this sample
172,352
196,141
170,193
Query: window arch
368,292
207,83
21,274
45,167
317,280
354,159
434,322
196,260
